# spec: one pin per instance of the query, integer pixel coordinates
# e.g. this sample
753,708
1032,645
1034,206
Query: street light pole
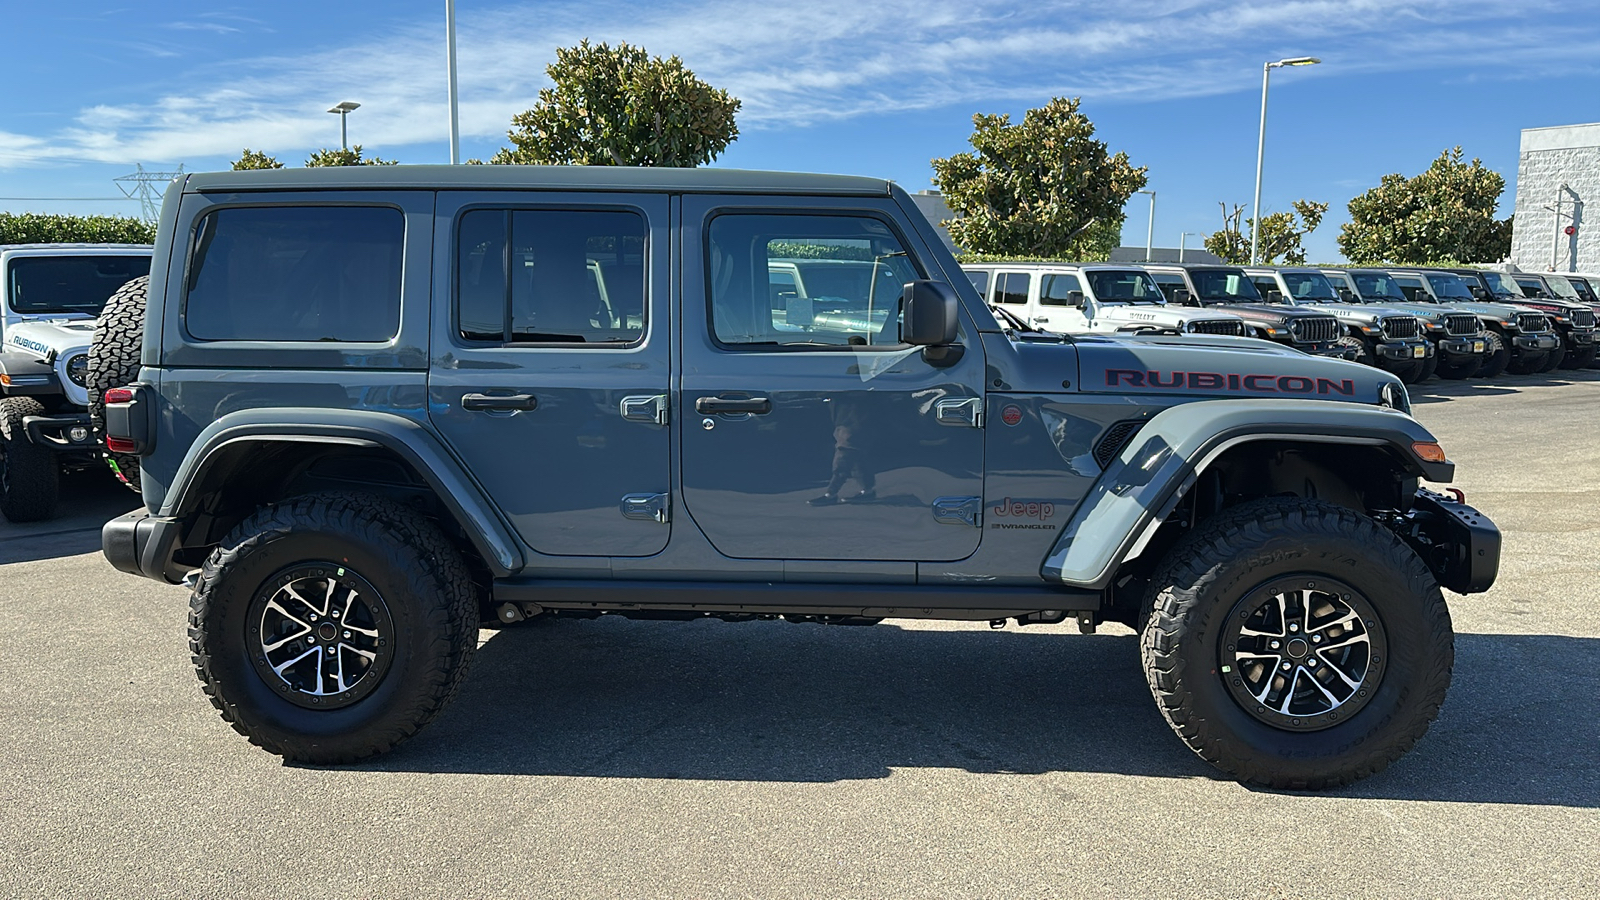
1261,144
344,109
1183,239
450,60
1150,232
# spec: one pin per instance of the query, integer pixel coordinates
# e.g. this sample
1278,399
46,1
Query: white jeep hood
56,343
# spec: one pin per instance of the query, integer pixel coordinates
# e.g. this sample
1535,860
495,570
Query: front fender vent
1115,438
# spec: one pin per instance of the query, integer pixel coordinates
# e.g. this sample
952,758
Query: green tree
621,107
1445,212
1044,188
1280,237
39,228
350,157
255,159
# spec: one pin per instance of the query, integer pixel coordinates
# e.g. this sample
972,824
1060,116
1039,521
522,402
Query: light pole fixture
450,63
1150,232
1183,239
1261,143
344,109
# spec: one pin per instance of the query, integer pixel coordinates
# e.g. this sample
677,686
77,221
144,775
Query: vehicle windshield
65,285
1309,287
1561,287
1501,284
1449,287
1373,286
1223,285
1123,286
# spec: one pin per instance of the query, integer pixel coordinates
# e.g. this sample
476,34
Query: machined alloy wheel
322,634
1302,652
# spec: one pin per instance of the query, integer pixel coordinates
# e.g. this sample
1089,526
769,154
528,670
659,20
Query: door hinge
964,413
959,511
646,508
645,408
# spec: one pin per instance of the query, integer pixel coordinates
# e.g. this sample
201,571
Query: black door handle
478,402
759,406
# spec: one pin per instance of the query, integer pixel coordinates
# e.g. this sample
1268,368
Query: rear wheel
331,627
1297,644
114,362
30,475
1496,356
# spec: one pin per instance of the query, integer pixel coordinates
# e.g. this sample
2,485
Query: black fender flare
408,439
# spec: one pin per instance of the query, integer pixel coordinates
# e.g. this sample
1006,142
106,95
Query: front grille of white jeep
1234,327
1314,329
1398,328
1533,322
1460,325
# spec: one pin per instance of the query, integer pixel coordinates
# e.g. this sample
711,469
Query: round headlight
78,370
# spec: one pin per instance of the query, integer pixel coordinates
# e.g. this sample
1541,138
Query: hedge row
40,228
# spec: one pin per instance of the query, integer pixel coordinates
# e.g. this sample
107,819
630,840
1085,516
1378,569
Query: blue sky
828,85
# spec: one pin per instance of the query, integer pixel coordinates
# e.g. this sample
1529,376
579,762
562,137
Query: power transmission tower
147,188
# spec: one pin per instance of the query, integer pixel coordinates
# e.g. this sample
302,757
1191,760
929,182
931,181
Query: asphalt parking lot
705,759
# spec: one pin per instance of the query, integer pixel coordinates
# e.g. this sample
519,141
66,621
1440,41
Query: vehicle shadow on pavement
774,701
88,501
1440,390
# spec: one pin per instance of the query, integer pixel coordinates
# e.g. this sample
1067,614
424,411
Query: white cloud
799,64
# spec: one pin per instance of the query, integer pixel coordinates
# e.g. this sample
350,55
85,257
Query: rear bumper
142,544
1458,543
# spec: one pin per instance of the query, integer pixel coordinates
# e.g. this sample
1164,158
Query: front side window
1012,287
1449,287
296,273
848,275
1377,286
1127,286
1057,290
1170,284
1530,287
64,285
1266,286
980,280
551,276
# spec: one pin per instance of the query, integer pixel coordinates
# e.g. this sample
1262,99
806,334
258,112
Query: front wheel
1496,356
30,476
1554,358
1297,644
331,627
1581,359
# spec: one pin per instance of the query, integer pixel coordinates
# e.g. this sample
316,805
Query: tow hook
1456,493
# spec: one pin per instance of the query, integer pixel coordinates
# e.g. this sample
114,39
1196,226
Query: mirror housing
928,314
1075,298
1479,293
1181,296
1274,296
1346,295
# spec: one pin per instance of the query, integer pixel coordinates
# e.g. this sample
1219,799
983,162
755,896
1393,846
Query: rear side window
1011,287
551,276
980,280
286,273
1057,291
1169,283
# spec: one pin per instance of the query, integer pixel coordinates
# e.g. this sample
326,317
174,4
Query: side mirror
1274,296
1181,296
1075,298
928,314
1346,295
1479,293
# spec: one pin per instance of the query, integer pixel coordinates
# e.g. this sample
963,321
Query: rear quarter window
296,273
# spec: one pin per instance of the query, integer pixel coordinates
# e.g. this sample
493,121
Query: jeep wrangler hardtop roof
585,178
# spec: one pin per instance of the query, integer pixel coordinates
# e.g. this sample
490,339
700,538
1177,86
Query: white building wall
1552,157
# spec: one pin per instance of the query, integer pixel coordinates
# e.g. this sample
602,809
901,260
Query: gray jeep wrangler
378,407
49,297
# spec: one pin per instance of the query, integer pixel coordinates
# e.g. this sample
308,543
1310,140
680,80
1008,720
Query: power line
141,186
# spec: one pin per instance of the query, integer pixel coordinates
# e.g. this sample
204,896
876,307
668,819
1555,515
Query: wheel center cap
1298,648
327,632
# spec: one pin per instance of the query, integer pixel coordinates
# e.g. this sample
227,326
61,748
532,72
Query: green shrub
43,228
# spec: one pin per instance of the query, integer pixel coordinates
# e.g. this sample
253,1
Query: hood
1564,308
47,338
1267,311
43,348
1195,367
1363,312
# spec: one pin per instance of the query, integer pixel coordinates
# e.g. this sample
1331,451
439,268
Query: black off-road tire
1227,561
1357,350
1527,363
1427,368
114,362
30,475
426,591
1496,356
1456,371
1554,358
1582,359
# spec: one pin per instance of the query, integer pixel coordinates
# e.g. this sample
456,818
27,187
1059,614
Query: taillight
121,445
119,395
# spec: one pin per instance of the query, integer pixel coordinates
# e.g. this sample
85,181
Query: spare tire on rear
114,362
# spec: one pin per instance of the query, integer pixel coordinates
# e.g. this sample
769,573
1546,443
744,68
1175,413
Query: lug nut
1274,645
1316,639
1294,627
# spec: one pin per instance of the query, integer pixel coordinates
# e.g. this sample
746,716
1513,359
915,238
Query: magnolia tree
620,106
1445,213
1044,188
255,159
1279,239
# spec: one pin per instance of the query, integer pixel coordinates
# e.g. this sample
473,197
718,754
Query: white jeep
1094,298
52,294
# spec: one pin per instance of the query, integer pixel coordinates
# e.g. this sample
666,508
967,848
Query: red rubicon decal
1011,415
1217,381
